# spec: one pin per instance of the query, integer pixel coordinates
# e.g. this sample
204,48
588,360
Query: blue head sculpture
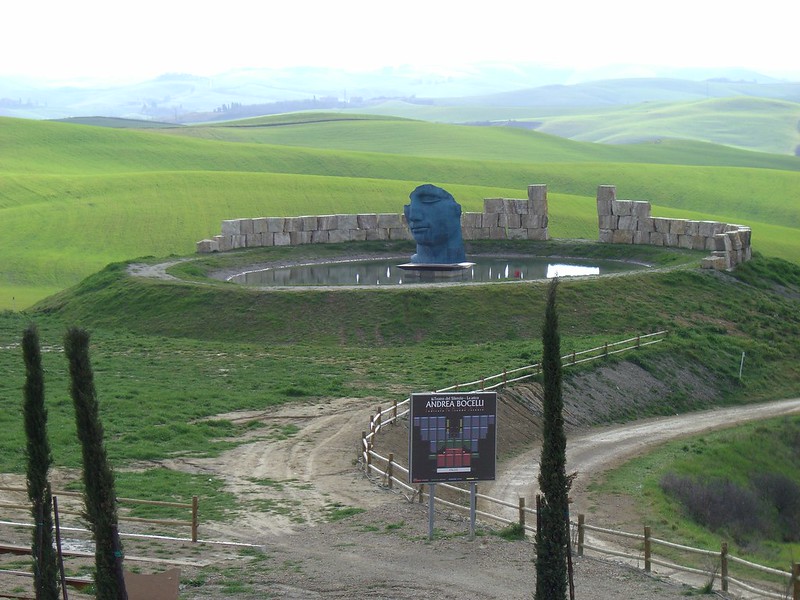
434,218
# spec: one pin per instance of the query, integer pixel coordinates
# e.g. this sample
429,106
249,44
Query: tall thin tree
553,535
45,561
98,478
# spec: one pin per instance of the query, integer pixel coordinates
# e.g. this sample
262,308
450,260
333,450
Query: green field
79,202
74,198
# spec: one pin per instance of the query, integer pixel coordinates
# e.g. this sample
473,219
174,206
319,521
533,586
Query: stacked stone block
509,219
629,222
502,218
293,231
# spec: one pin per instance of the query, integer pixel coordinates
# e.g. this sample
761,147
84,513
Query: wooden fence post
723,566
605,349
505,376
573,358
522,513
483,384
390,469
195,507
581,521
638,341
646,548
394,413
378,420
367,455
796,577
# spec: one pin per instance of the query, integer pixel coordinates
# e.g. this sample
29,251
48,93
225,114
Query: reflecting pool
387,272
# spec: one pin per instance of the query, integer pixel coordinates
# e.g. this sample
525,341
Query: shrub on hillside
720,505
769,508
782,496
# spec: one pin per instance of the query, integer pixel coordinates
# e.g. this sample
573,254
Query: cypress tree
98,478
552,536
45,564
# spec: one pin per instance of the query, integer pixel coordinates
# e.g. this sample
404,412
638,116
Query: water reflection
570,270
386,272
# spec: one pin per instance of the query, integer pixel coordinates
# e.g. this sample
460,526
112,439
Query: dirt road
291,486
596,450
384,552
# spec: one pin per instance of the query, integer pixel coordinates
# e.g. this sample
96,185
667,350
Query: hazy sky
62,40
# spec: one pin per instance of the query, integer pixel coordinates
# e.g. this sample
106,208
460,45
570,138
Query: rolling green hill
436,140
74,198
749,115
750,123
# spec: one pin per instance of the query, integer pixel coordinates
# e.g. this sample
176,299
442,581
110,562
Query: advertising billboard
452,437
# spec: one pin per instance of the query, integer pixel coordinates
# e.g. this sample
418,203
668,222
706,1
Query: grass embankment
74,198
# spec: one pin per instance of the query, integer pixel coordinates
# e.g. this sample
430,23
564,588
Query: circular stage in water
388,272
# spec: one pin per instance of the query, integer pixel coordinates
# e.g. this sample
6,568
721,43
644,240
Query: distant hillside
177,96
756,116
564,103
744,122
621,92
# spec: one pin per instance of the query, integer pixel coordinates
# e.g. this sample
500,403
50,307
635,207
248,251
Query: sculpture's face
433,223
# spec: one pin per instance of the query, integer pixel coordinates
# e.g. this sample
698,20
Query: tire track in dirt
285,482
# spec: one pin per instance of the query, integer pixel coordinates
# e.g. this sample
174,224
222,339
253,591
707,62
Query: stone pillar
607,221
537,207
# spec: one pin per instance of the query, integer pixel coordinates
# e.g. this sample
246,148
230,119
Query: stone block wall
502,218
629,222
509,219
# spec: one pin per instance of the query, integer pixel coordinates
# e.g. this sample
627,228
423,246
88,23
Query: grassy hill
436,140
157,344
742,114
74,198
750,123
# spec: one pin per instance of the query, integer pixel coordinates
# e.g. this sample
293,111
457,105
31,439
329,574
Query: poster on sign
452,437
